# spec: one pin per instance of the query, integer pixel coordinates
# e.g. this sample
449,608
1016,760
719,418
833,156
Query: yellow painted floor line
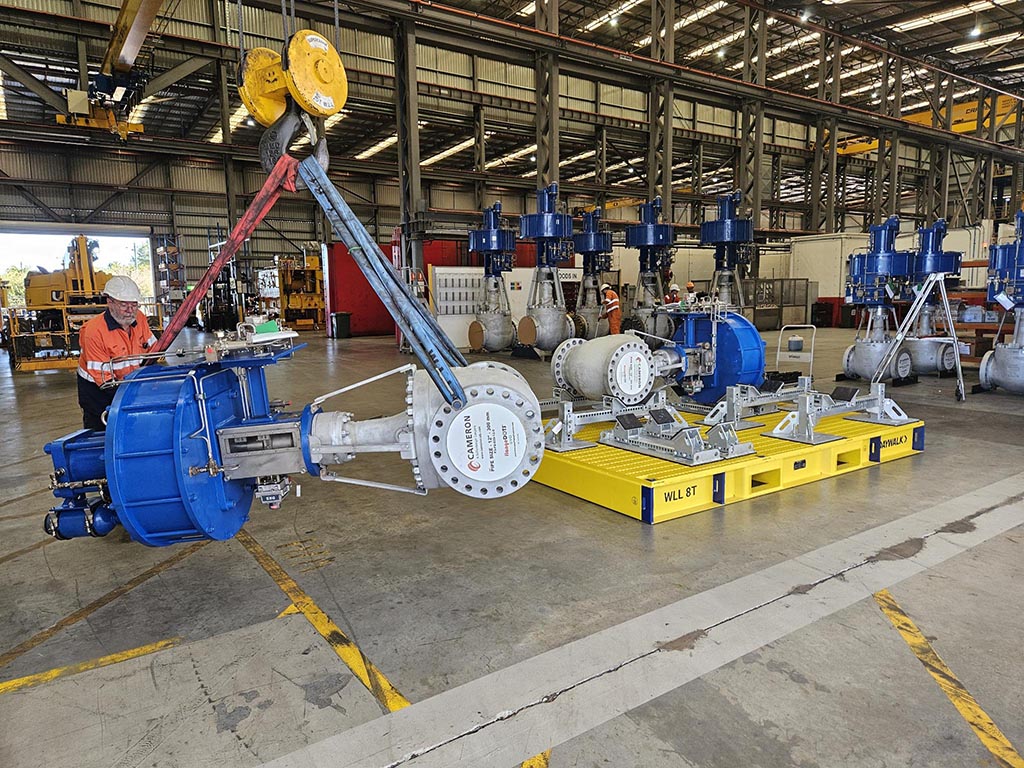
987,731
26,550
538,761
364,669
39,678
368,674
95,605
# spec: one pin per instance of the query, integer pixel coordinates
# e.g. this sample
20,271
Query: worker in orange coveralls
610,308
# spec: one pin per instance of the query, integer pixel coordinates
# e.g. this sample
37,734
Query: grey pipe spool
862,358
488,448
545,327
620,366
931,355
1003,367
492,331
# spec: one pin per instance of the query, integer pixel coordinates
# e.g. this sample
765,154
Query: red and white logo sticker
486,441
632,373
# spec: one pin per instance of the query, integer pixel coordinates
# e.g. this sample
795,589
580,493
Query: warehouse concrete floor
750,635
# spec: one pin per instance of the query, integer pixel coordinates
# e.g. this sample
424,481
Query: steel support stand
910,319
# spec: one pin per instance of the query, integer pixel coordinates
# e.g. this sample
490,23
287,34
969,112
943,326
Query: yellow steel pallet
46,364
654,490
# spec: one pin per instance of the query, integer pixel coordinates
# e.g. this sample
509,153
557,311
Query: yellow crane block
310,72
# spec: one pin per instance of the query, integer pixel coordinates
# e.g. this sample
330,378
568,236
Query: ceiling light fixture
732,37
612,16
380,146
511,156
688,20
955,13
460,147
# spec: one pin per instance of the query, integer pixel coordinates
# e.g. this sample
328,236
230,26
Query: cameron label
632,373
486,442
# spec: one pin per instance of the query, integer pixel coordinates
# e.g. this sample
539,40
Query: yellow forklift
44,333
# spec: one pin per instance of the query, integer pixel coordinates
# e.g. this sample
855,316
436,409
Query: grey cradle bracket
743,401
874,408
665,434
560,432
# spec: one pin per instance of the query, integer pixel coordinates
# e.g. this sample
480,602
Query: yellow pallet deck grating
654,490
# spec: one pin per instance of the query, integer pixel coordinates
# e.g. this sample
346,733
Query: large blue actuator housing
188,448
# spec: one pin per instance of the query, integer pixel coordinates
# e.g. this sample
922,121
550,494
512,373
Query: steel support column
776,217
82,49
1017,169
546,84
886,195
930,202
752,113
407,119
224,96
660,107
942,152
479,155
824,191
697,183
601,165
988,122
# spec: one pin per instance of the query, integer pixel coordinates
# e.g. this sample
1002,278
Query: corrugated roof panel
22,164
388,194
197,178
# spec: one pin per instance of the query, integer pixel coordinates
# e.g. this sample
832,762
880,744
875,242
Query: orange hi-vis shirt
610,302
102,339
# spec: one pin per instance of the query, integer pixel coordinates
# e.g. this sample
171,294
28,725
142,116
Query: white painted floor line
508,716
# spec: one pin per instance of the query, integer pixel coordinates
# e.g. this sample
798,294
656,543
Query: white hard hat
605,286
122,288
674,287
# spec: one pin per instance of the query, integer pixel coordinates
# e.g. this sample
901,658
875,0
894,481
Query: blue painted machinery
493,330
876,278
930,352
546,324
595,245
1003,366
883,275
732,238
654,237
188,447
712,349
